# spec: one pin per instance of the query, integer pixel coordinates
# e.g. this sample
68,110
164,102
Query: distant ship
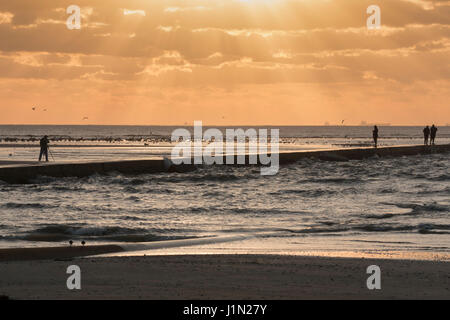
381,124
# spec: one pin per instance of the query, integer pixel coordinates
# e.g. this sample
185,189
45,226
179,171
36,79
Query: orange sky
260,62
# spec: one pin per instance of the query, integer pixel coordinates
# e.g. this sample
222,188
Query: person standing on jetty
433,132
44,148
426,134
375,136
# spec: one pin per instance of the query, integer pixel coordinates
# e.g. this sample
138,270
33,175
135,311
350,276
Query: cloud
127,12
6,17
187,46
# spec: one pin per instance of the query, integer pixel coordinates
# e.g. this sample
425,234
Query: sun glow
225,61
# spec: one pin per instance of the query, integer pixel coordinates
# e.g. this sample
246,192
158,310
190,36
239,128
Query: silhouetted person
433,132
44,148
426,134
375,136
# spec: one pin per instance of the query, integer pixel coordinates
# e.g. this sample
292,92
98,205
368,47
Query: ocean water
69,143
373,204
329,135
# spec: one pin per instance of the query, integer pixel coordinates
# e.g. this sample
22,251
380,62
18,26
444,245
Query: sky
224,62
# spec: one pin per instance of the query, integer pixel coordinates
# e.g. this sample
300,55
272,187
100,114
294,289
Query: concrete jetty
364,153
24,172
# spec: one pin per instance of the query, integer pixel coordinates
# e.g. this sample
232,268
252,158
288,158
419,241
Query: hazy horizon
221,125
228,125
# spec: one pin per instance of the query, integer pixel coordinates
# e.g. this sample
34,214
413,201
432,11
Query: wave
425,231
422,228
264,211
15,205
62,232
373,241
145,238
336,180
388,190
432,207
313,193
134,183
85,231
148,237
421,208
431,226
130,218
384,228
127,181
319,230
381,216
215,177
133,198
442,177
202,174
68,188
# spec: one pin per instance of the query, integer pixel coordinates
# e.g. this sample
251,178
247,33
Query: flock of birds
45,110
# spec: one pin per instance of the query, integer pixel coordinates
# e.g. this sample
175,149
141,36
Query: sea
377,205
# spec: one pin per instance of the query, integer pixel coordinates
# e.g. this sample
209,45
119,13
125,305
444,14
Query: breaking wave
61,232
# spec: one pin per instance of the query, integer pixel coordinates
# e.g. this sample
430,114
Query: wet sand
23,254
225,277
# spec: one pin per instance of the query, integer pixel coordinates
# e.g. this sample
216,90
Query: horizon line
230,125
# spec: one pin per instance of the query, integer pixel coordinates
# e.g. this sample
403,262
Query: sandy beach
224,277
